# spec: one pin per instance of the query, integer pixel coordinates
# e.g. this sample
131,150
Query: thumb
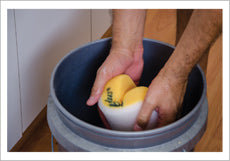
98,86
145,113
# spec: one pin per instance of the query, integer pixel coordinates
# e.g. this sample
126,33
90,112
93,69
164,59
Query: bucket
78,127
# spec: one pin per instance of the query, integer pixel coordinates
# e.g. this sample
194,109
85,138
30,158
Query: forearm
203,28
128,29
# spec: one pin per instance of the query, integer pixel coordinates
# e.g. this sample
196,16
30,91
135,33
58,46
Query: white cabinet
37,40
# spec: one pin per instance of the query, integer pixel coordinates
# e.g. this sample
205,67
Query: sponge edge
123,119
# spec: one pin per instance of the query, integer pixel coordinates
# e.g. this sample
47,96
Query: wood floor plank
212,139
161,25
39,140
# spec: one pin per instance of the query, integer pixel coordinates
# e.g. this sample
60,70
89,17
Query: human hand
119,61
165,96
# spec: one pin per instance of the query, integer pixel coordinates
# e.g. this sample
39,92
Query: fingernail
137,128
90,101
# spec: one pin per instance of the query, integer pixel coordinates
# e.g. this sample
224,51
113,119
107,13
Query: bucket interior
75,75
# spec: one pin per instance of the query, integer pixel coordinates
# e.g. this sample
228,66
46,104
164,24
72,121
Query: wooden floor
161,25
40,140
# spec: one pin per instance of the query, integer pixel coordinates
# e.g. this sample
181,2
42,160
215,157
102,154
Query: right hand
119,61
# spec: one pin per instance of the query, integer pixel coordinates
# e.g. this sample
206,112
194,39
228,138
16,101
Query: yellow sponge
121,102
115,90
122,91
134,95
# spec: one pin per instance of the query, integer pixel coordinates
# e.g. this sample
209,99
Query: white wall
43,37
101,21
14,122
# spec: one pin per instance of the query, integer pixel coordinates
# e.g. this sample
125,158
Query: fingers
143,117
165,118
135,70
166,115
159,100
101,78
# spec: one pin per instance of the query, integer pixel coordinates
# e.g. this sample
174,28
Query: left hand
119,61
165,96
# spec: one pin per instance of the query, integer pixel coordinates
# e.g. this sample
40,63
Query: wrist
175,72
128,42
130,48
122,51
128,29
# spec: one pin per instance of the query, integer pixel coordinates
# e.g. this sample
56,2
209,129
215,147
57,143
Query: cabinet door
101,21
44,37
14,123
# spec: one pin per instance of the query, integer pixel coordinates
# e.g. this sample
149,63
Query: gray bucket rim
105,131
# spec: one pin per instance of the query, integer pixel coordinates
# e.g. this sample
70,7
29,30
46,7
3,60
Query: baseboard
30,130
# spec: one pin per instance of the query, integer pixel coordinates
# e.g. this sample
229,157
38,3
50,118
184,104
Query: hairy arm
128,29
166,92
202,30
125,56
